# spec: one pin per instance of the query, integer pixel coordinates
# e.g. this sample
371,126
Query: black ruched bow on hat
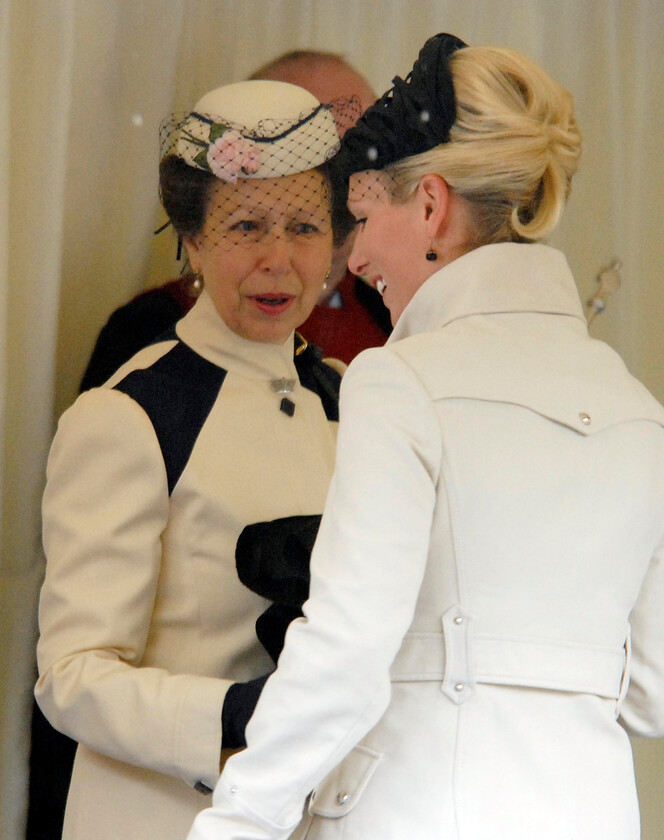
415,115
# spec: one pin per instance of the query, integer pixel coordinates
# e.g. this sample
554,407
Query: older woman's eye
245,226
306,227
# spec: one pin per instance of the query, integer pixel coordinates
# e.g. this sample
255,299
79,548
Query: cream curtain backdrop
35,103
84,84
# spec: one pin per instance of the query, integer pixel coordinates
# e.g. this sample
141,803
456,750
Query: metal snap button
585,418
342,797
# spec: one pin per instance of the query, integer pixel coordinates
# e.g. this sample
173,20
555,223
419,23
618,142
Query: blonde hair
513,149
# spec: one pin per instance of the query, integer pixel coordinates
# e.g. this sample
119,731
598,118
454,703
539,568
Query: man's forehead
327,80
338,83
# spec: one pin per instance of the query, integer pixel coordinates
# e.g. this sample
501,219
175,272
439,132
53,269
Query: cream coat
494,527
144,623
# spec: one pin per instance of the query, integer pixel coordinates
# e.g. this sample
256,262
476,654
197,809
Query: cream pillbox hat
253,129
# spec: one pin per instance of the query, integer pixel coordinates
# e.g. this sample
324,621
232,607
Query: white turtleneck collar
204,331
501,278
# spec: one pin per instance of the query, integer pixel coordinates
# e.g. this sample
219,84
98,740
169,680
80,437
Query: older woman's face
264,252
390,241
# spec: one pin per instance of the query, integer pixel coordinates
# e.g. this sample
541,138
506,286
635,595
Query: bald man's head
326,75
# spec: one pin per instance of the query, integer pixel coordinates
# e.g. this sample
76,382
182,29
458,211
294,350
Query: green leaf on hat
217,130
201,160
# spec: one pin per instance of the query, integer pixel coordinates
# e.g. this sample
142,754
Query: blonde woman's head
513,147
489,121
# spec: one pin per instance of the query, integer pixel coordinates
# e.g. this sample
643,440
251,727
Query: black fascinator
415,115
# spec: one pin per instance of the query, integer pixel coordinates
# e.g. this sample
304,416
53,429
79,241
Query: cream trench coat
488,577
144,622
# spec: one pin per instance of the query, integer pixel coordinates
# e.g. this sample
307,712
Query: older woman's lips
272,303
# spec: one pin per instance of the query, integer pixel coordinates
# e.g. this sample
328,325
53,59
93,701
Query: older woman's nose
277,254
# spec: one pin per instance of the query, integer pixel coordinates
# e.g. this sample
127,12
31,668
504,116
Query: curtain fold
122,85
84,85
36,71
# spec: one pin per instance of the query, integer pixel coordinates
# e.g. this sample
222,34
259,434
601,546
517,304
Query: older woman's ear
192,248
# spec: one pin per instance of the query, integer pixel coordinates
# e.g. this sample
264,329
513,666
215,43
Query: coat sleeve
642,710
104,510
332,683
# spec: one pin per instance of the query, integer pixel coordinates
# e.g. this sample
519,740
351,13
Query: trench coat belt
459,664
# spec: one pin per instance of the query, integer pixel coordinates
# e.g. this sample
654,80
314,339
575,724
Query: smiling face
264,252
390,241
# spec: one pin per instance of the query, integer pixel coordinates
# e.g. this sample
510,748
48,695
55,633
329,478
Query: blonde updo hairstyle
513,149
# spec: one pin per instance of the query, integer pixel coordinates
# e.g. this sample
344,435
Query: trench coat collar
205,332
501,278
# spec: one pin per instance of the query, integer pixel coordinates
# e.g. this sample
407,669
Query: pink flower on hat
231,155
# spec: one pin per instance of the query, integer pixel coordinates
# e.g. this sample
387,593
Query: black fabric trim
272,559
303,119
177,393
128,330
239,705
320,378
167,334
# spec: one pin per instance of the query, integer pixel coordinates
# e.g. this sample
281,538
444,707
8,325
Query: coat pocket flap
340,790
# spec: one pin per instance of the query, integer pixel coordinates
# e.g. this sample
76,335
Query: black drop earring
432,256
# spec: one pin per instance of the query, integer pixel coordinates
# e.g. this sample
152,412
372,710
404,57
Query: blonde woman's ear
433,194
446,218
